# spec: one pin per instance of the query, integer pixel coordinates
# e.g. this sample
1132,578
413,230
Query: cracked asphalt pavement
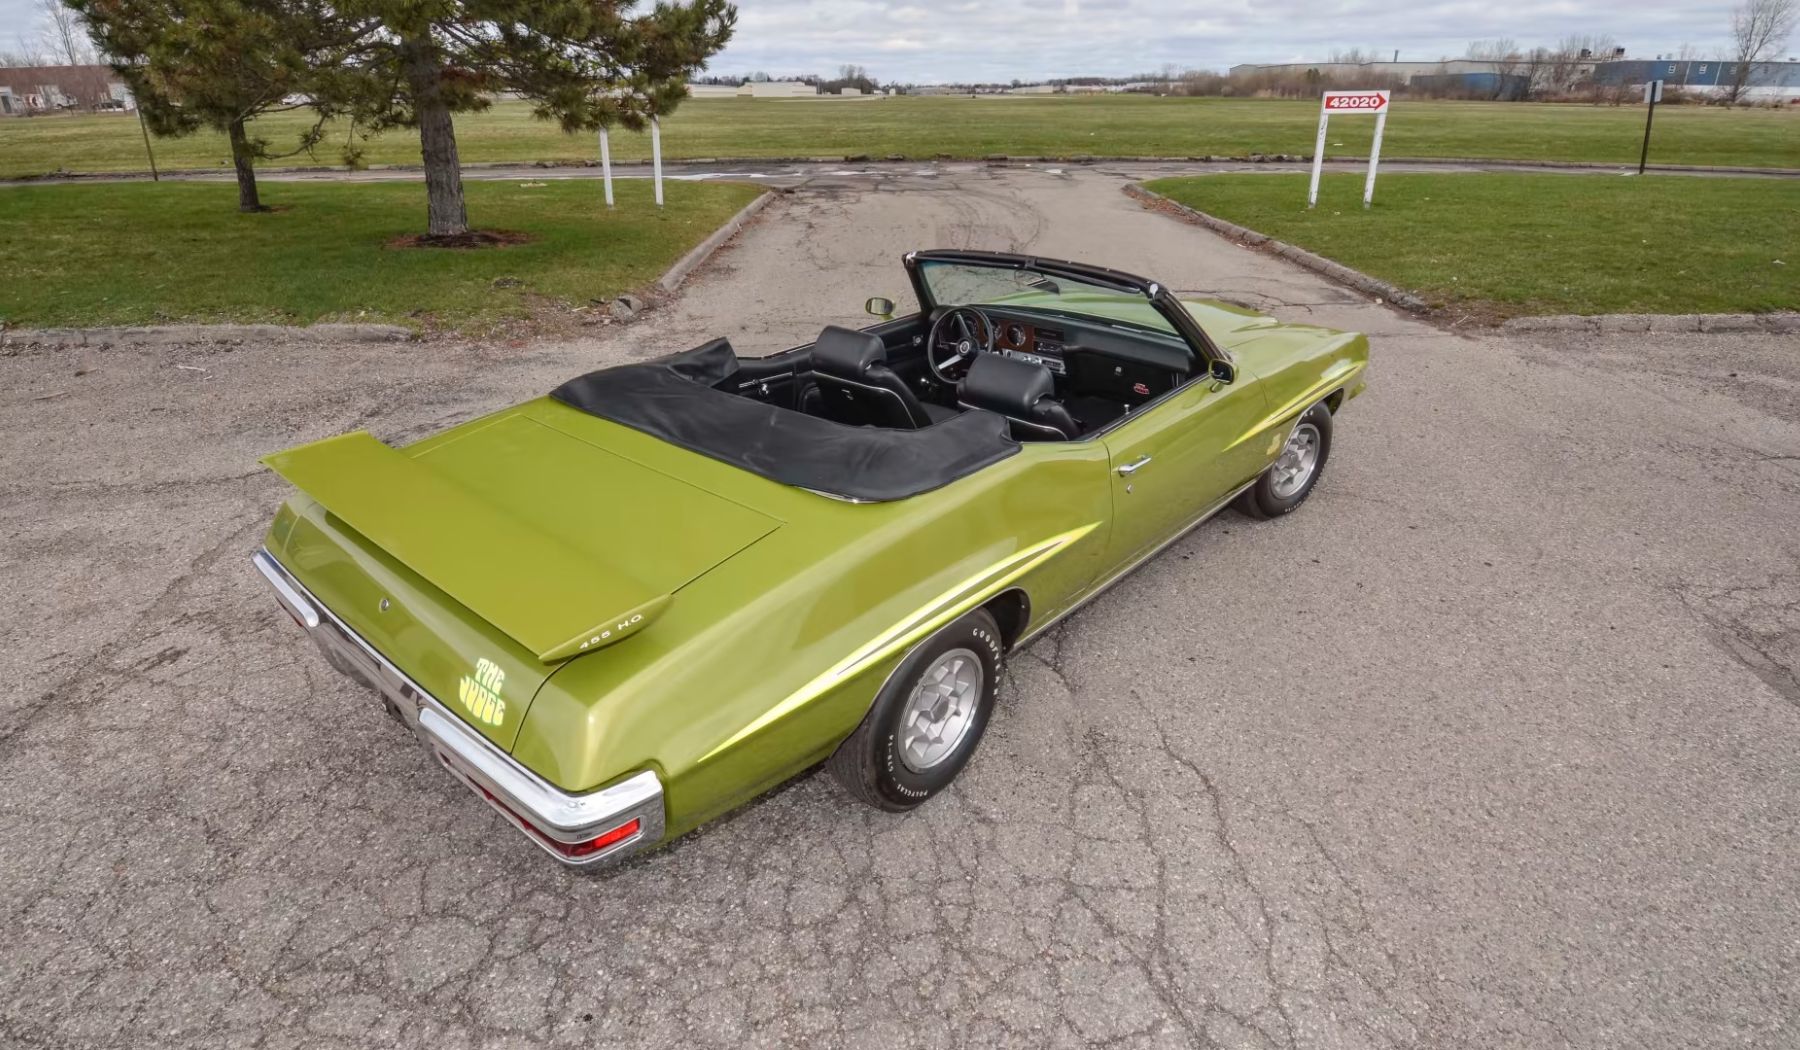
1494,744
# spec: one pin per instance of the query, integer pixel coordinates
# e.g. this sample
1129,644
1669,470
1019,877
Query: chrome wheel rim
941,709
1298,460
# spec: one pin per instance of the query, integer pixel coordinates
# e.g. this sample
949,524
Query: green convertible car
627,607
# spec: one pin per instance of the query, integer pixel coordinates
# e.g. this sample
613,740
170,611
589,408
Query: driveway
1494,744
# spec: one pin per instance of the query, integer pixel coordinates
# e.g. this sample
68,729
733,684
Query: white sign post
656,157
606,165
1349,102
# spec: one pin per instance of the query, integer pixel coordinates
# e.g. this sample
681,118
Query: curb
703,251
1362,282
992,160
1779,323
180,334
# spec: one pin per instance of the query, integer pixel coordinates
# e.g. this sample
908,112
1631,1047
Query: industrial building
755,89
1480,78
1767,82
1501,87
1398,72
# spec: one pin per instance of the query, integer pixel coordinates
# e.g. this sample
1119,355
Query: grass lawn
1538,244
923,128
141,253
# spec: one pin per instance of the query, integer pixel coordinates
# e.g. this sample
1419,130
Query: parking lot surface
1496,743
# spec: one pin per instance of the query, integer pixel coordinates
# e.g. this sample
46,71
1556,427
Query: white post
1312,192
1374,156
656,157
606,166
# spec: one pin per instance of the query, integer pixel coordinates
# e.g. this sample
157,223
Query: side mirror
1223,373
879,307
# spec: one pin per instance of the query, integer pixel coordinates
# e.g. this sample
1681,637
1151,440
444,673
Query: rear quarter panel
418,627
759,669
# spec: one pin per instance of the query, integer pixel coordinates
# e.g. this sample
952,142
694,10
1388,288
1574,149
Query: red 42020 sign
1355,101
1349,104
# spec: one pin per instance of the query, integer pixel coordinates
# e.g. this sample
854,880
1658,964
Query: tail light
585,848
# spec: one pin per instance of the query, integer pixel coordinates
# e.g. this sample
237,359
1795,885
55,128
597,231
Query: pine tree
582,63
219,64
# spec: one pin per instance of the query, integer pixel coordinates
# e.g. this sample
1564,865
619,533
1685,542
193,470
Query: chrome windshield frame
1201,349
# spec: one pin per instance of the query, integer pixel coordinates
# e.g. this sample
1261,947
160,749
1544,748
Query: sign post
606,165
1652,95
1349,102
656,157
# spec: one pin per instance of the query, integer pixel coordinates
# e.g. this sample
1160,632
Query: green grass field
144,253
923,128
1505,245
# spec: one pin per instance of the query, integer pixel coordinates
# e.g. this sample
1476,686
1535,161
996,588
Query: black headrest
842,352
1004,385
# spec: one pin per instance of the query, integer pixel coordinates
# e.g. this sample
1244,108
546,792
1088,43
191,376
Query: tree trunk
246,171
446,215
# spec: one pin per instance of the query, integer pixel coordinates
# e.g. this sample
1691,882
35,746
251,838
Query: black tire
1261,500
869,763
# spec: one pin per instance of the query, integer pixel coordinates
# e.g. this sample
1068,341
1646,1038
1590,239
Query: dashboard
1028,342
1093,359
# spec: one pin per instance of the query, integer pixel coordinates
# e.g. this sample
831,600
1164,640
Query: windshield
966,284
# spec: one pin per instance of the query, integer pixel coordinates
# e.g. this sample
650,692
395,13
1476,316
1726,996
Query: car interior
1053,377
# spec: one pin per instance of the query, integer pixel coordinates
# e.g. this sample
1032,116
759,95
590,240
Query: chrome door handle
1134,466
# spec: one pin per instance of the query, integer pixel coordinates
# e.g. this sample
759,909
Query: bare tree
850,76
1492,50
1575,59
25,54
64,35
1759,28
1552,71
1506,58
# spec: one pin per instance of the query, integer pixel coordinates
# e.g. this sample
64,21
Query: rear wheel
928,718
1287,482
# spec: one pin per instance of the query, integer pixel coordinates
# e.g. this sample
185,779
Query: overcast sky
935,41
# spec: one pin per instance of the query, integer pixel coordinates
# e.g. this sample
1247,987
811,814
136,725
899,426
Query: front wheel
927,720
1287,482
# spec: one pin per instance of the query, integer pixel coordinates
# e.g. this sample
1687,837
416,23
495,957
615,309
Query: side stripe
941,610
1334,376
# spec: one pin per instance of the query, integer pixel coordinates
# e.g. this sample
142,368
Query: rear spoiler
555,601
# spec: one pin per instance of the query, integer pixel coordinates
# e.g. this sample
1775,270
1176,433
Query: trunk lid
501,548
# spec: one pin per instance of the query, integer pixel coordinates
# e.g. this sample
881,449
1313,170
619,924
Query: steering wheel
956,337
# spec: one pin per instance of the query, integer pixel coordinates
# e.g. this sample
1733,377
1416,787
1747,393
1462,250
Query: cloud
939,41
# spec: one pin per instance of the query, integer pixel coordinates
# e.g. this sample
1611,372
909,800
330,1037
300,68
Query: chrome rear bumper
565,825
